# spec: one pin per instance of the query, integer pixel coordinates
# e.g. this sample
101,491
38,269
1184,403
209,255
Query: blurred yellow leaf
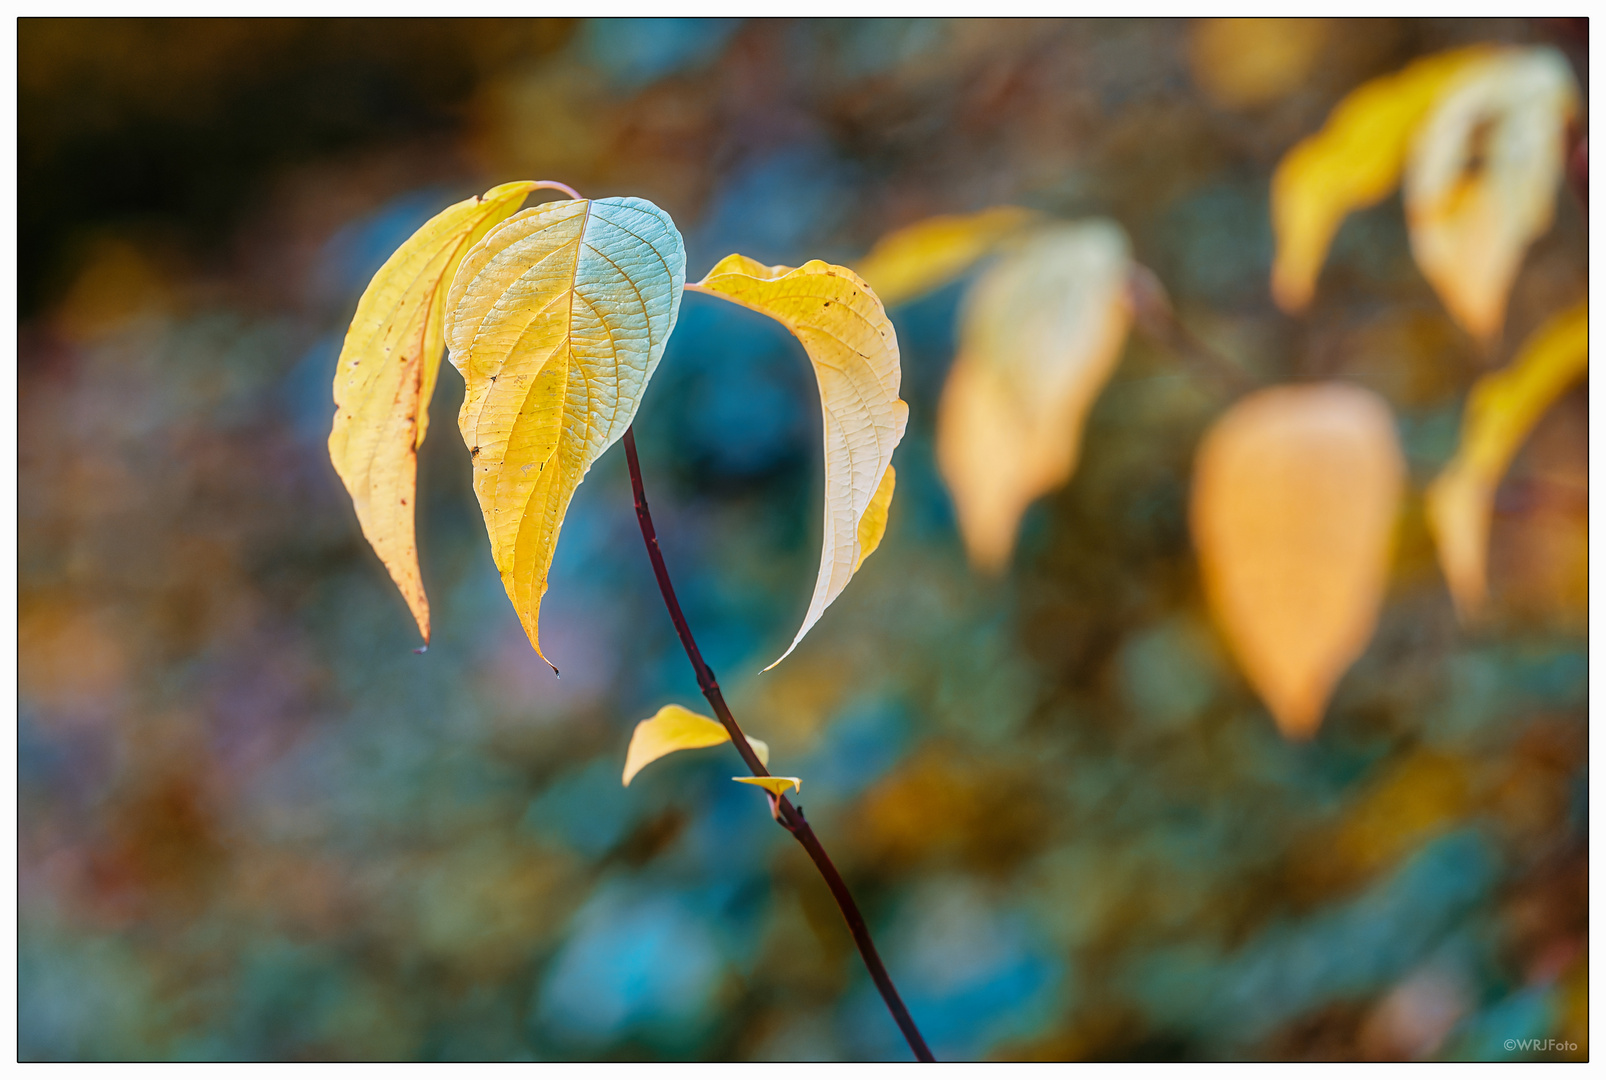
1040,333
557,319
921,257
386,376
775,785
854,350
1351,163
1480,184
1241,62
1295,492
674,728
1502,408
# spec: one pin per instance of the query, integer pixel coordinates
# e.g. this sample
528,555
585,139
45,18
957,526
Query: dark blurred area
254,824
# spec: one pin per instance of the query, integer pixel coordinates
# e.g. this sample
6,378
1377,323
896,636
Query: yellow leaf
1244,62
1295,492
1502,408
674,728
1351,163
557,319
1040,333
386,376
918,258
874,523
1480,184
854,350
775,785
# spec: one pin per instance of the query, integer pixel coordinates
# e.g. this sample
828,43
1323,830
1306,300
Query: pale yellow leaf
1481,180
1295,494
674,728
873,526
921,257
1246,62
854,350
1351,163
775,785
385,378
1502,408
556,319
1039,336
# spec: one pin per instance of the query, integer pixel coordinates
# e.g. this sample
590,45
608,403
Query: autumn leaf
1039,336
1351,163
775,785
557,319
1502,408
854,350
385,378
1481,180
673,728
1295,493
918,258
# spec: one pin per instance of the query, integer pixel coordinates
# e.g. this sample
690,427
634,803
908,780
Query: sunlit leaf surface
1040,333
1295,494
672,728
556,319
854,350
386,376
921,257
1351,163
1501,410
1481,181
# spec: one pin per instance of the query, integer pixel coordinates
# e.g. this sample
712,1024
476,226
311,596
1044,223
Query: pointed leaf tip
557,320
854,350
1500,412
1295,494
1040,334
1352,162
386,375
1482,177
673,728
775,785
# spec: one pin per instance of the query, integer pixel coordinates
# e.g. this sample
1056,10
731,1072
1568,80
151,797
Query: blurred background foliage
254,824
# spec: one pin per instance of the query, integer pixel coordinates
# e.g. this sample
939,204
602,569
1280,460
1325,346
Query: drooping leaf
1481,180
1295,493
1502,408
1351,163
775,785
854,350
674,728
386,376
557,319
1040,333
918,258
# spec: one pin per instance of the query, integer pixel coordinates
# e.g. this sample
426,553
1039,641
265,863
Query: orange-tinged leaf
1039,336
775,785
673,728
854,350
386,376
557,319
1502,408
918,258
1351,163
1480,184
1295,493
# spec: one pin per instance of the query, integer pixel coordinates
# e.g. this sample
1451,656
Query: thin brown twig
790,817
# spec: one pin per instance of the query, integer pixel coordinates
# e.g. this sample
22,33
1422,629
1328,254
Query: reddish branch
790,817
